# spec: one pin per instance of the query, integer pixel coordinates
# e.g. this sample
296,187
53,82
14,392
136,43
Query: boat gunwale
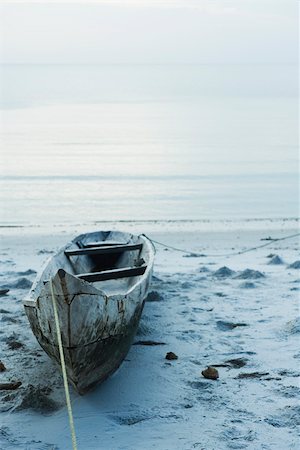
31,301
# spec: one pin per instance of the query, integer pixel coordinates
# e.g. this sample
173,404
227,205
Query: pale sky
149,31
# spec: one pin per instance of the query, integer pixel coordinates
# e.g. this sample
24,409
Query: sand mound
26,273
21,283
293,326
204,269
249,274
225,326
237,363
13,342
4,291
44,251
154,296
286,417
36,398
224,272
248,285
276,261
294,265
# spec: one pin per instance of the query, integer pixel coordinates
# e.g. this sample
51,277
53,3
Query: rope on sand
203,255
63,367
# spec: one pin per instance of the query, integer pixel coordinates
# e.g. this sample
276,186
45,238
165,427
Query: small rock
211,373
2,367
171,356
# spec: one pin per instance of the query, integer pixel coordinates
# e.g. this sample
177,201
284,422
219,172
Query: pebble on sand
211,373
171,356
2,367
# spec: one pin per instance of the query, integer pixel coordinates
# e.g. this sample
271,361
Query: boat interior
112,261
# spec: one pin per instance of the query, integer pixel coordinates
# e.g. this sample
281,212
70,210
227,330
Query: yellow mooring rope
63,367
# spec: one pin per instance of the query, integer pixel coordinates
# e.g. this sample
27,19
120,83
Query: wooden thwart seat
100,244
102,250
112,274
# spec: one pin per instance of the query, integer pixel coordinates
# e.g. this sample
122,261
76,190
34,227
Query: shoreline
155,225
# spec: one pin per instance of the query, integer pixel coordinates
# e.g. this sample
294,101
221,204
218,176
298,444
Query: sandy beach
238,314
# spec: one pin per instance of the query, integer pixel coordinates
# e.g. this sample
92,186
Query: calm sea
146,142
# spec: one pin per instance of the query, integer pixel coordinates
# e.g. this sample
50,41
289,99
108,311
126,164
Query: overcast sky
149,31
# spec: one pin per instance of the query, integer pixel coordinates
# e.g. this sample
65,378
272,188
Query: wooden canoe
100,280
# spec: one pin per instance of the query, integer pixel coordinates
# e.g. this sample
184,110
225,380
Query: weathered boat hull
97,330
90,364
